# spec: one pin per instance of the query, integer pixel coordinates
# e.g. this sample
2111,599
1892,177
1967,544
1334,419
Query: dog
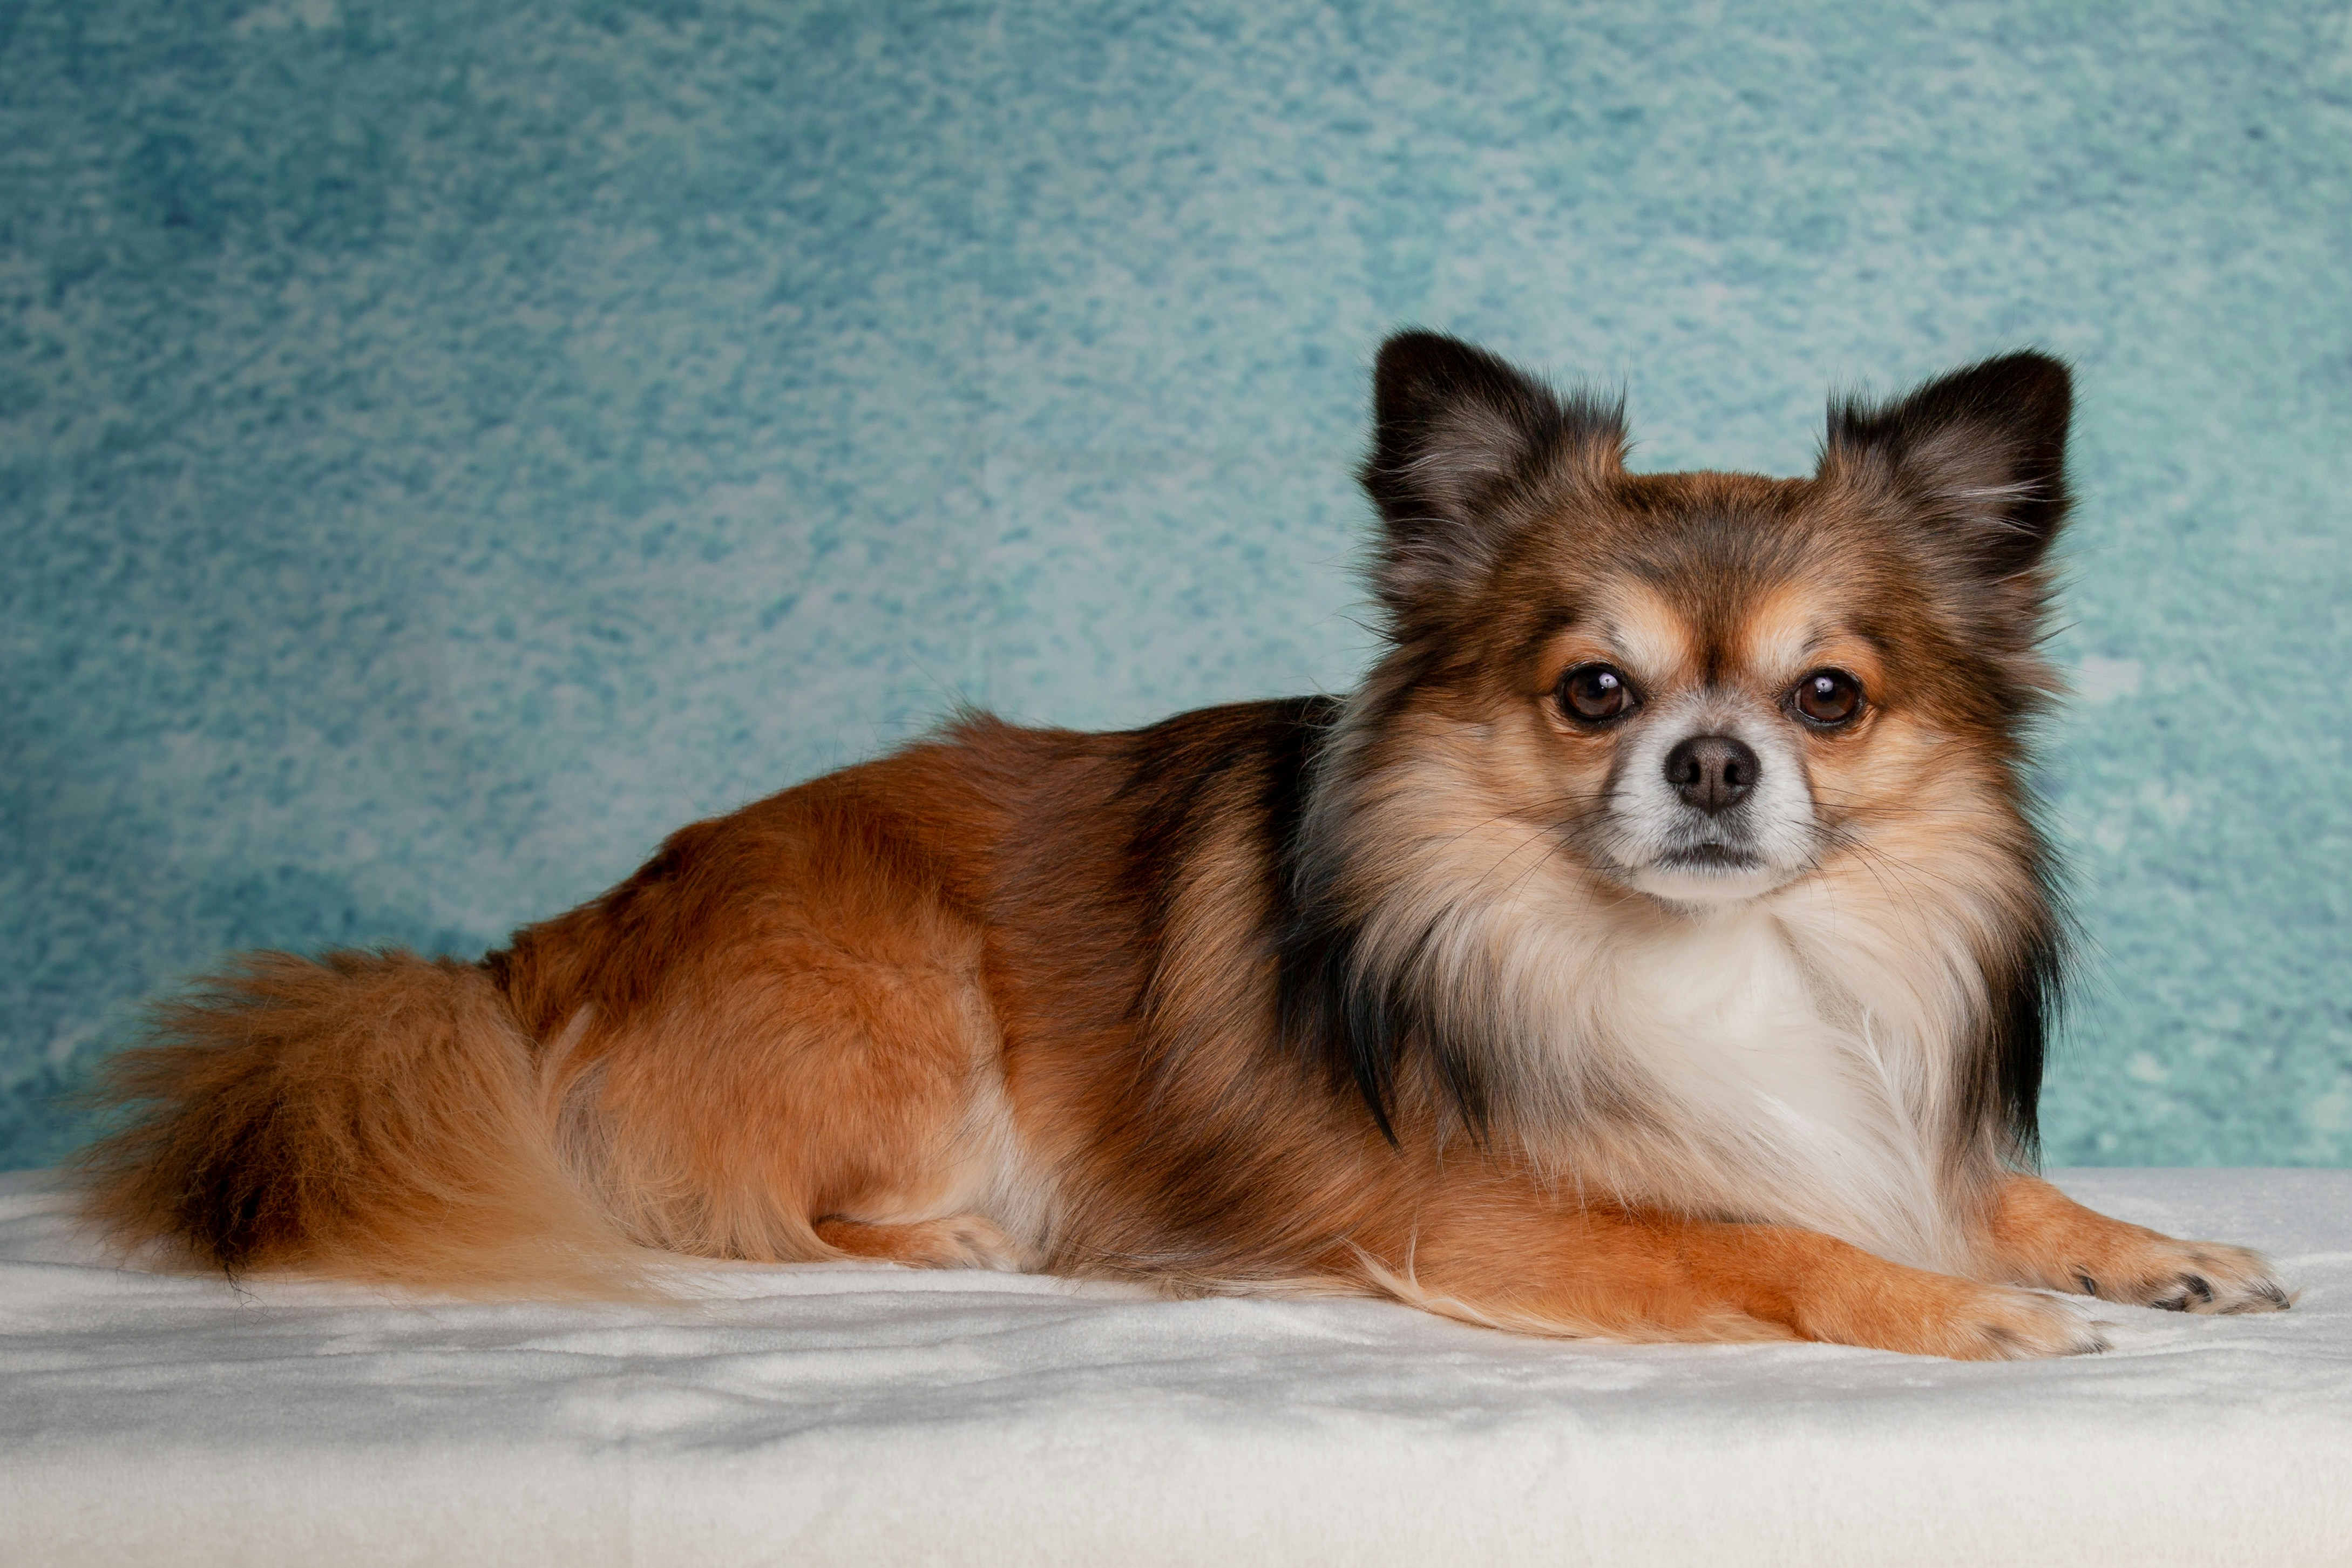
1658,945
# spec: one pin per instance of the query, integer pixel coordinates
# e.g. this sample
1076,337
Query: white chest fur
1769,1087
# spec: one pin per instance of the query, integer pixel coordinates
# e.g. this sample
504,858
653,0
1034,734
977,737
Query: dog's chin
1706,874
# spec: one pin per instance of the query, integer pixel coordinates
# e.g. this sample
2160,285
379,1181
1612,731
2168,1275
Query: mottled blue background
444,446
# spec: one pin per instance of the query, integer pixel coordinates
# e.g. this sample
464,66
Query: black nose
1713,772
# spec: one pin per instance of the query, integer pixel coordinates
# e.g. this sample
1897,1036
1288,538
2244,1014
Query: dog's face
1708,686
1709,730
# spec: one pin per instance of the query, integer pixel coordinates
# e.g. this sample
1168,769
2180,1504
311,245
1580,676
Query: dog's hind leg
777,1046
958,1241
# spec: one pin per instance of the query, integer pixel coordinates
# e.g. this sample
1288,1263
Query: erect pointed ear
1980,454
1464,448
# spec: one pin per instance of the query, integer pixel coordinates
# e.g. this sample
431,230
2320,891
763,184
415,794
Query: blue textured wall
444,446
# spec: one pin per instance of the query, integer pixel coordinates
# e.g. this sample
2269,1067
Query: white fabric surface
871,1415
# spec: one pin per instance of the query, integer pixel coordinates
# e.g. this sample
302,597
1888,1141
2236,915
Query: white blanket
870,1415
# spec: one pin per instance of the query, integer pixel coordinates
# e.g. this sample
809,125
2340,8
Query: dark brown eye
1827,697
1595,693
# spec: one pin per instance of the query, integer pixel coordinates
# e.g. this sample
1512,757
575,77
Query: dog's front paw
2018,1325
2187,1277
1934,1314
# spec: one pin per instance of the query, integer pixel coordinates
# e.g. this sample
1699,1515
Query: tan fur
1028,998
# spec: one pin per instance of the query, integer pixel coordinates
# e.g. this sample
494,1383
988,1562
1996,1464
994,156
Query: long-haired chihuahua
1658,945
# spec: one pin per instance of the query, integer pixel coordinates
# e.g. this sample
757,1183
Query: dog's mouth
1701,873
1708,857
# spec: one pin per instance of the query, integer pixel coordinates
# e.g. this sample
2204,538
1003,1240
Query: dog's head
1710,686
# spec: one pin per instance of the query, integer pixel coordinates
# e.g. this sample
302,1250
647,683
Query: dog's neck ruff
1766,1089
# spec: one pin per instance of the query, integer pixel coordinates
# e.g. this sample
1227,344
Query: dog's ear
1463,447
1978,457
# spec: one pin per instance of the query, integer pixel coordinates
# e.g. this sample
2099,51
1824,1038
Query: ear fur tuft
1464,447
1981,452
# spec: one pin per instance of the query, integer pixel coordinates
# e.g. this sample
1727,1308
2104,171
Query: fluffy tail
367,1116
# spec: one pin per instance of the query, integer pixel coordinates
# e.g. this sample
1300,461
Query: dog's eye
1595,693
1827,698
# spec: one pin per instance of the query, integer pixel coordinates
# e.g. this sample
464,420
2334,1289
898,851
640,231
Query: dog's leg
2032,1234
958,1241
1641,1277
